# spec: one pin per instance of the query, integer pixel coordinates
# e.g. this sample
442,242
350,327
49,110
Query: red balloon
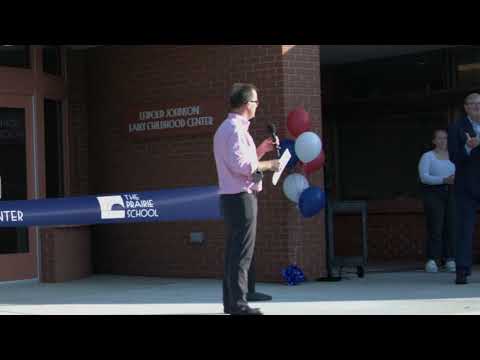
315,164
298,122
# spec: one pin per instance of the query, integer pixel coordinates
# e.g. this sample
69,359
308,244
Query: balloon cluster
307,152
293,275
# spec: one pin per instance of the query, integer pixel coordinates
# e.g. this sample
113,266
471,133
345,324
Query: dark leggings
439,203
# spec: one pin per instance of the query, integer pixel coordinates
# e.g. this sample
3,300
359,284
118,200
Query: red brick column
301,87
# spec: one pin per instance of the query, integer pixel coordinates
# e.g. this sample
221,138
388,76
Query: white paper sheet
283,163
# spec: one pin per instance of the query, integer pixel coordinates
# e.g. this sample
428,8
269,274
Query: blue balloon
312,201
290,145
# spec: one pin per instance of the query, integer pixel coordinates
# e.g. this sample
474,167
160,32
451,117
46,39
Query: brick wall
118,77
66,253
392,237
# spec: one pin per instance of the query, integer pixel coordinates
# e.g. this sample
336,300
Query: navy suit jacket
467,175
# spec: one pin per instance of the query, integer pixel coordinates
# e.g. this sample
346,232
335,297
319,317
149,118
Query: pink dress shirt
235,156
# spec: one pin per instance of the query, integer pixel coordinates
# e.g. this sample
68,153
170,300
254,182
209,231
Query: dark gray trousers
467,206
240,215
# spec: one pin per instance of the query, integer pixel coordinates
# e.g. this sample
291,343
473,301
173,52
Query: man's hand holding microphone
268,145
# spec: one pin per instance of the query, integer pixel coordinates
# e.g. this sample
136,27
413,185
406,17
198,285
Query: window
377,141
379,153
418,73
15,56
52,60
467,63
54,149
13,173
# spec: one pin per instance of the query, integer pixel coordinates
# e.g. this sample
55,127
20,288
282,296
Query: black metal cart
340,262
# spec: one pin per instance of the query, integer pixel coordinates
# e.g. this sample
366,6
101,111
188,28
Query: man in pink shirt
240,173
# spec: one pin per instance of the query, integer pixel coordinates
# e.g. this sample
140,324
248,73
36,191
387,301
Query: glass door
18,246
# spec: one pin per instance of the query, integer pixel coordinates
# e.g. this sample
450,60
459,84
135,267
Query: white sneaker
451,266
431,266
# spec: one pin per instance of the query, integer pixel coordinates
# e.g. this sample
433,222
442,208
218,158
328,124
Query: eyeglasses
473,103
255,101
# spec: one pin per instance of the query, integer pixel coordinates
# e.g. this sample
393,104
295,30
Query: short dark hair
241,94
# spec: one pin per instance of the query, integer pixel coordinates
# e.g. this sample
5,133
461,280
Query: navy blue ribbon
187,204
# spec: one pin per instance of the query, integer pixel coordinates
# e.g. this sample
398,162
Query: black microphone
272,129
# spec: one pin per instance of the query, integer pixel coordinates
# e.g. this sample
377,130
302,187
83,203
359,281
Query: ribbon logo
106,207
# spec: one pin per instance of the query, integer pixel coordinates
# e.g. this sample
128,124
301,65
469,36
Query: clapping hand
472,143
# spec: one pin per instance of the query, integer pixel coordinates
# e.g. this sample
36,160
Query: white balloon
294,185
308,146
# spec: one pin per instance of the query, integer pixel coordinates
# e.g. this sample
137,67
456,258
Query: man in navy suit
464,151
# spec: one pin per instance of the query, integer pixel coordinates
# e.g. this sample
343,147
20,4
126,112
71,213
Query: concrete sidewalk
413,292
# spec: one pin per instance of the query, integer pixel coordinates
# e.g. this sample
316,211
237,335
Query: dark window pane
54,148
467,62
419,73
379,153
52,61
15,55
13,172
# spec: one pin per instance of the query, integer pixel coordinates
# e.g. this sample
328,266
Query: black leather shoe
461,278
256,296
246,310
228,311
